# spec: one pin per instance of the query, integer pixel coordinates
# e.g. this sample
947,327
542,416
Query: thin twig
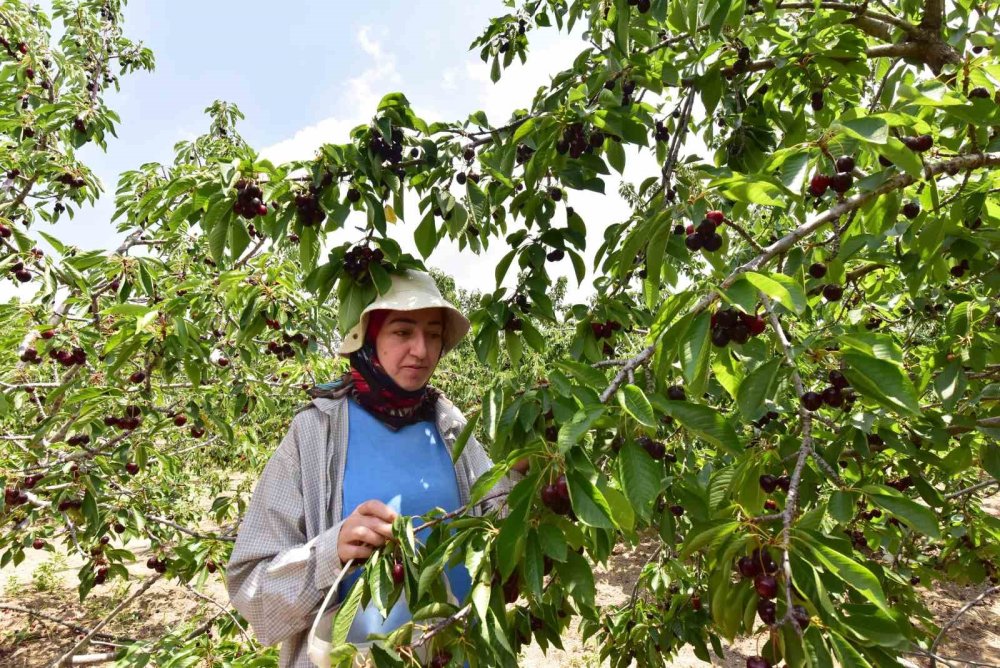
965,608
974,488
211,600
69,625
64,659
791,502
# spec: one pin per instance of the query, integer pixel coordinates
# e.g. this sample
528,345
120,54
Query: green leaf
870,129
217,238
989,459
785,289
634,401
815,648
492,408
353,300
846,654
704,422
578,577
841,506
503,265
705,535
882,381
854,574
743,189
694,352
902,157
588,502
756,387
572,431
621,510
640,476
917,516
344,617
616,156
463,438
425,236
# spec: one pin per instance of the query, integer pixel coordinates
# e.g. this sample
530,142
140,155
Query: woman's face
409,346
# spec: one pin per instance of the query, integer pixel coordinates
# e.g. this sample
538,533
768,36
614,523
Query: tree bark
933,17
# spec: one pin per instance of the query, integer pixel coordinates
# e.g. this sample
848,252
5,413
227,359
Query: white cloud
362,96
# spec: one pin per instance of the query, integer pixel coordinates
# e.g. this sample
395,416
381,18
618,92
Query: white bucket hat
410,292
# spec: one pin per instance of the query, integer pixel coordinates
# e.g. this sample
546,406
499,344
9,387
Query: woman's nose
419,348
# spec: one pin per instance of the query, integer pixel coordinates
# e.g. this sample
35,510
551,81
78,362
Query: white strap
326,601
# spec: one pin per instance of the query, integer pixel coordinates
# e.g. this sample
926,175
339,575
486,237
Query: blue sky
304,73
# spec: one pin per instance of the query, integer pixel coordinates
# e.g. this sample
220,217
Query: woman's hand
365,530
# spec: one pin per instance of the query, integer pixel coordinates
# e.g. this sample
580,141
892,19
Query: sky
305,73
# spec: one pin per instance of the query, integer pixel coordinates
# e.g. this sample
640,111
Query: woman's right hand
365,530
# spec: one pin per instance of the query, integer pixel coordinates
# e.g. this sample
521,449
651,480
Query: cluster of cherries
958,270
576,142
641,5
729,325
705,236
285,351
391,150
661,134
14,496
71,181
524,153
129,421
248,200
68,358
68,504
20,273
831,291
156,564
742,63
556,496
766,419
655,449
358,259
918,144
761,567
840,182
605,330
513,324
833,396
307,209
769,483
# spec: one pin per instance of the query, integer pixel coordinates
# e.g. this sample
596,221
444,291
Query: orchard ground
46,581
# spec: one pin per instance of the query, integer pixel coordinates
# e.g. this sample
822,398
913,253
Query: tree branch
782,245
185,530
933,17
860,10
65,658
972,489
965,608
211,600
791,500
75,627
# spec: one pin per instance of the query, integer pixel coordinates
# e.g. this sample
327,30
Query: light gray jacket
285,557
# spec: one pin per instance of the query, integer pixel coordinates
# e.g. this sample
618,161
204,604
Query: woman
375,443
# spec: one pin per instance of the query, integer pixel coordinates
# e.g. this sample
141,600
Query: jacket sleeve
276,577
